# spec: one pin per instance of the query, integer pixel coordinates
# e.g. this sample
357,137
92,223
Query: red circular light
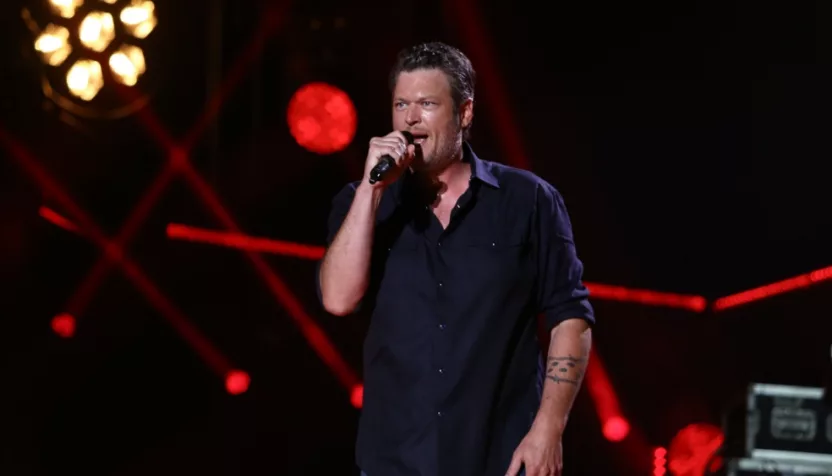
64,325
321,118
236,382
616,428
357,397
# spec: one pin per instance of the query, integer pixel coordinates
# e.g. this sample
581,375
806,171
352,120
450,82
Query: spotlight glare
139,18
53,45
97,31
85,46
127,64
65,8
85,79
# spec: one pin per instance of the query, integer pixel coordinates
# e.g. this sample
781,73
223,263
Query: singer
455,258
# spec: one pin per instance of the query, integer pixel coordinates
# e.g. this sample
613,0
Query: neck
449,182
456,174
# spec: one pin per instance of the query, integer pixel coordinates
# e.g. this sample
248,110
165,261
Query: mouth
419,138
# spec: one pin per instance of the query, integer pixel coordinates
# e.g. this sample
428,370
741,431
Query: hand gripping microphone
386,163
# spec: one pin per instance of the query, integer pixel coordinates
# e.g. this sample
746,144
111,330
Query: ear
466,113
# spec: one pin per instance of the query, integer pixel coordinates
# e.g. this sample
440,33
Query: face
423,105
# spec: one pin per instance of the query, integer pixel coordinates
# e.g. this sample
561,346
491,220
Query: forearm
345,269
566,365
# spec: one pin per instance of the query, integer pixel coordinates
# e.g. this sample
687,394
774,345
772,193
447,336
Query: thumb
514,467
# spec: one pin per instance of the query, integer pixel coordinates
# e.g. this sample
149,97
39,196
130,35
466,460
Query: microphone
386,162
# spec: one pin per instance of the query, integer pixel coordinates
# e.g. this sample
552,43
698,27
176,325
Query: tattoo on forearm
566,369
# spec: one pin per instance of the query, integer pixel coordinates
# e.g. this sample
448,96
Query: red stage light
357,397
64,325
659,462
236,382
322,118
693,449
616,428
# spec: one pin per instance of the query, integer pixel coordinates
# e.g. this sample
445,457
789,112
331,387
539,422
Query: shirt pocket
493,264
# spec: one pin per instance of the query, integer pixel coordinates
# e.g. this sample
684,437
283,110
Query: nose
413,116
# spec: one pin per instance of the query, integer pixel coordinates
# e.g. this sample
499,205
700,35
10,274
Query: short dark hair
435,55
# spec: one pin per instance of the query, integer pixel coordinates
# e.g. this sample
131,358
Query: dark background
690,141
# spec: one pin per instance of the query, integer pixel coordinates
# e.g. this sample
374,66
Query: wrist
370,194
549,425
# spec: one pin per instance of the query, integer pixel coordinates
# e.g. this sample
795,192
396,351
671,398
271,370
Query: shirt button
441,371
442,327
440,284
439,414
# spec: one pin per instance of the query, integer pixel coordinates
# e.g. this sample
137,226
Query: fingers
398,135
514,467
409,155
518,464
395,147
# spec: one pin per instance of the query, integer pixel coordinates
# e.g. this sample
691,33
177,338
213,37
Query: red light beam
244,242
271,20
57,219
64,324
614,425
773,289
466,15
267,245
313,333
647,297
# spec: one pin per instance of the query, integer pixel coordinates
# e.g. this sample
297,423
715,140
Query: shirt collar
480,169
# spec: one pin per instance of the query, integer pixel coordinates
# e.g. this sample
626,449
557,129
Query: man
456,257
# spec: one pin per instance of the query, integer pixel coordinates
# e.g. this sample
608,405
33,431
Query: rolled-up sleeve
561,293
338,212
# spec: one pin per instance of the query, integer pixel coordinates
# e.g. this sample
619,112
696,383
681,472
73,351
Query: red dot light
322,118
616,429
64,325
357,397
236,382
659,462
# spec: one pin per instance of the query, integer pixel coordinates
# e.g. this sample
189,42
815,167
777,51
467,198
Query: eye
428,103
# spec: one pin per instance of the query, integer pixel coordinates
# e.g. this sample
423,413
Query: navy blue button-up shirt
453,369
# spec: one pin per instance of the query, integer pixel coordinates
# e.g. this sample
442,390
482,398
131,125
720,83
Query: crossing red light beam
265,245
64,324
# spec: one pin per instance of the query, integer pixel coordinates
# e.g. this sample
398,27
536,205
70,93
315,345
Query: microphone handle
386,162
382,167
